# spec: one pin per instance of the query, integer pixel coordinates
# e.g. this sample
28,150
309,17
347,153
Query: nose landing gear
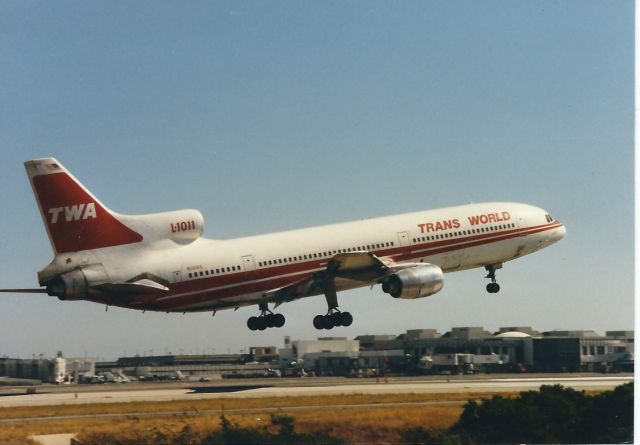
493,287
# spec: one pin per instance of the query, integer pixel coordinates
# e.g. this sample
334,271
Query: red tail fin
74,218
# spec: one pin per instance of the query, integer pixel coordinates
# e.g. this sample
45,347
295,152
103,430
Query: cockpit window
549,218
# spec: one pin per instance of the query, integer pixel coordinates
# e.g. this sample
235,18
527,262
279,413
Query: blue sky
275,115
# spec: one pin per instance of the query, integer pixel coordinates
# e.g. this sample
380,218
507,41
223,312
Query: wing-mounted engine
414,281
180,226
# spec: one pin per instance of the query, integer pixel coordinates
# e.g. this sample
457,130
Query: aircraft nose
559,232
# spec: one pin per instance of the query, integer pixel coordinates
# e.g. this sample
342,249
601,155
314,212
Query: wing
344,270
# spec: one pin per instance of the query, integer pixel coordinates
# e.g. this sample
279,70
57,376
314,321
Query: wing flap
359,266
295,290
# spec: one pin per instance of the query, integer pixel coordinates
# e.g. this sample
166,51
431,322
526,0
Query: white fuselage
208,274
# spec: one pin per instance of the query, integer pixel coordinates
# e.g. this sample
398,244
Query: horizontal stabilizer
144,286
25,291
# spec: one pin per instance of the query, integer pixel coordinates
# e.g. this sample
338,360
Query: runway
289,388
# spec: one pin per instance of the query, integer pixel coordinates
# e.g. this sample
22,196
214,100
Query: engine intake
69,286
77,283
414,282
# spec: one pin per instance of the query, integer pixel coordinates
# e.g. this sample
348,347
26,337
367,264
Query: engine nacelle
77,283
69,286
414,282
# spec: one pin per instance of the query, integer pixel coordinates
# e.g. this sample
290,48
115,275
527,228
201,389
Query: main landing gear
493,287
332,320
334,317
267,319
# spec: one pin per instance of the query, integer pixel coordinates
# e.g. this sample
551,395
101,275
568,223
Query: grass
338,413
194,406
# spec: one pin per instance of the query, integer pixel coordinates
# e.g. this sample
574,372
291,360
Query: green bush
552,415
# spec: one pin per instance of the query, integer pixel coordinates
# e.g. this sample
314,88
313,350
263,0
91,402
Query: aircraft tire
346,319
335,319
252,323
262,323
328,321
493,288
278,320
269,320
318,322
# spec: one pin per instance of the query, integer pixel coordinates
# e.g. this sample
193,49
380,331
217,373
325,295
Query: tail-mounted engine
75,285
417,281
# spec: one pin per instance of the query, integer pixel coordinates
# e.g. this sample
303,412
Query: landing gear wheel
267,319
332,320
335,319
346,319
493,288
278,320
252,323
324,321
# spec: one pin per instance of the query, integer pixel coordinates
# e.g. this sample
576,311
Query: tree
551,415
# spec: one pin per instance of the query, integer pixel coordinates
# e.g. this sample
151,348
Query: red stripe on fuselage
200,290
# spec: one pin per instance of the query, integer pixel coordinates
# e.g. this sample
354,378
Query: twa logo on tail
75,220
74,212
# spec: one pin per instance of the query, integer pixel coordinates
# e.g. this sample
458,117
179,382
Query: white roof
513,334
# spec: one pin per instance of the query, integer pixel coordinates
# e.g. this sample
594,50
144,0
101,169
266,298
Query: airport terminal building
415,352
469,350
462,350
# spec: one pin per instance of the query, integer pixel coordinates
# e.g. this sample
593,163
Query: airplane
161,262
